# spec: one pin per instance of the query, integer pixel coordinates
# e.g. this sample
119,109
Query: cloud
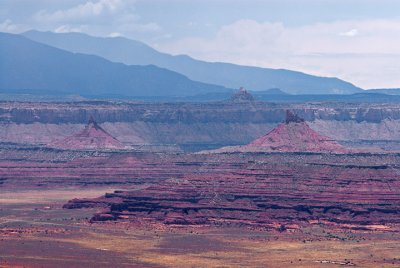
83,11
67,29
100,17
8,26
351,33
370,58
115,34
139,27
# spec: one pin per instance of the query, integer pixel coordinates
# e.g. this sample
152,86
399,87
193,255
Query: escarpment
195,126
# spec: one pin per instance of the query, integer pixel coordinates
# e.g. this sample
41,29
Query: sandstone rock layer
264,190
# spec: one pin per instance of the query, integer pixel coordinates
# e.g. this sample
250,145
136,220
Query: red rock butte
91,137
292,135
242,96
295,135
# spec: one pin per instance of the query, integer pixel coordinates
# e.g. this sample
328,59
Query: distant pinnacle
292,118
91,137
91,120
295,135
93,123
242,96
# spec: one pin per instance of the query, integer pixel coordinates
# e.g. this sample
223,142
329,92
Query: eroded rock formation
242,96
264,190
196,125
293,135
91,137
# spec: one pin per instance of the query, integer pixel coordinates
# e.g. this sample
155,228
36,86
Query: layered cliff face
205,125
264,190
259,189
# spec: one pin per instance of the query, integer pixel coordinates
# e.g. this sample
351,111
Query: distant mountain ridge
29,66
128,51
388,91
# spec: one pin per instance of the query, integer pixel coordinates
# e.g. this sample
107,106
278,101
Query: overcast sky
356,40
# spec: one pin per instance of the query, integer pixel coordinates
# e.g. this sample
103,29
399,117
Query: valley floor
36,232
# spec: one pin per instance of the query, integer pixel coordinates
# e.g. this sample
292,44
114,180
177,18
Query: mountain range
131,52
28,66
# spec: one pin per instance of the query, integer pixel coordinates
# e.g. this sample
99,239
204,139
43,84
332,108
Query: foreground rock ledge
263,192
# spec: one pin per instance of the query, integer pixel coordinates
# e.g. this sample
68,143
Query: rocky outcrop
260,189
265,190
292,118
293,135
91,137
242,96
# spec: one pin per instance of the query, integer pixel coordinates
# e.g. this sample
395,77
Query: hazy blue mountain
128,51
388,91
27,66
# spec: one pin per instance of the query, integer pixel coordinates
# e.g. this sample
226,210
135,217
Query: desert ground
37,232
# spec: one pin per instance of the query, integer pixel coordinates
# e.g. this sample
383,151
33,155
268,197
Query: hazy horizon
352,40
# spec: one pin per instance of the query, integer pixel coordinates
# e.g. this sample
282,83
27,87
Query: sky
355,40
